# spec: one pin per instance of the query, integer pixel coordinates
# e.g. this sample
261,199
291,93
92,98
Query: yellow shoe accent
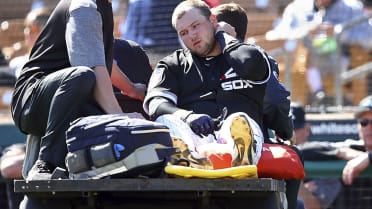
239,172
241,133
184,153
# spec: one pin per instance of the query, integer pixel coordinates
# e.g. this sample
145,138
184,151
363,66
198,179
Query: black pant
293,185
58,99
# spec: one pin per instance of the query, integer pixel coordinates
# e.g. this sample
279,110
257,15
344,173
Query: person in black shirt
213,71
66,77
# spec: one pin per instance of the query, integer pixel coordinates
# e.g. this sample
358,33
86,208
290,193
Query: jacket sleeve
277,106
249,61
318,151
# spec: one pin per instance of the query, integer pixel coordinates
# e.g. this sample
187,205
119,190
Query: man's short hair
235,15
184,6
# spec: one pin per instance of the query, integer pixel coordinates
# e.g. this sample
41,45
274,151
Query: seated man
192,86
356,152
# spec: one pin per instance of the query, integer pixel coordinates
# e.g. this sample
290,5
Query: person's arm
355,166
89,51
103,92
318,151
122,82
250,62
348,153
277,106
162,98
324,150
199,123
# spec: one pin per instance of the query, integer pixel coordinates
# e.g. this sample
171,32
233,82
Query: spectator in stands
362,33
357,152
320,193
34,22
359,163
11,162
314,21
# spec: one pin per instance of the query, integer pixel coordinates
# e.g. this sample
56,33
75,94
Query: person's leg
314,73
293,185
308,198
57,101
324,190
180,130
233,132
300,204
45,203
191,146
13,198
314,79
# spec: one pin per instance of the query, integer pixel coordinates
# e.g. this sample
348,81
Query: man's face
365,132
197,32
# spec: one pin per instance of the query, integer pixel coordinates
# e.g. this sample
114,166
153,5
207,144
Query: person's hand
133,115
138,91
354,167
201,124
347,153
223,26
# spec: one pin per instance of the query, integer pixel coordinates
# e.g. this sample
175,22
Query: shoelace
43,167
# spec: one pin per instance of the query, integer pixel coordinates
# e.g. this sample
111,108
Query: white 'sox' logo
235,84
230,74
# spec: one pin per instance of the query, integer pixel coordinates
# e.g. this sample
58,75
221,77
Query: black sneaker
41,170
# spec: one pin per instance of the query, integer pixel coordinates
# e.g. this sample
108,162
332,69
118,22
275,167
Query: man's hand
133,115
347,153
354,167
223,26
201,124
